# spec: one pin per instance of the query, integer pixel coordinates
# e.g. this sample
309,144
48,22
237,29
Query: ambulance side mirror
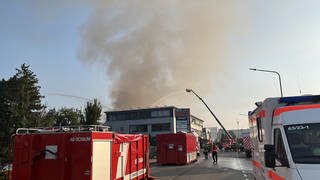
269,156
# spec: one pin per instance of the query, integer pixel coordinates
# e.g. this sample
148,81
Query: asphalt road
231,166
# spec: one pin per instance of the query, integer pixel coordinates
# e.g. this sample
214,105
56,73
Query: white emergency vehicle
285,133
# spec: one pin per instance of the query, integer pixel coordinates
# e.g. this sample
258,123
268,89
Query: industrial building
213,133
153,121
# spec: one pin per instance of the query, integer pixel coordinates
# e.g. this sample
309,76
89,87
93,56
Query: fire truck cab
285,133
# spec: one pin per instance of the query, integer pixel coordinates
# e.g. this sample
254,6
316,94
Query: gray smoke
152,48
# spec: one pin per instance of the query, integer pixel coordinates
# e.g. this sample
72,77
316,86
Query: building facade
214,133
153,121
196,125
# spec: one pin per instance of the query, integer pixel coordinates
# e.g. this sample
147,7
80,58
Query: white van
285,133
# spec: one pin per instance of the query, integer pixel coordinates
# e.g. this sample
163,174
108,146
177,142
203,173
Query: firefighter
214,151
205,152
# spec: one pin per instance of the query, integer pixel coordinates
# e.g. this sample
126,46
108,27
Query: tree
20,104
68,117
26,98
5,127
92,113
232,134
62,117
49,118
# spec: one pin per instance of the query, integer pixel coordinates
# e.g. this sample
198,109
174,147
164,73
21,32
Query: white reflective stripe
101,140
191,156
135,174
122,161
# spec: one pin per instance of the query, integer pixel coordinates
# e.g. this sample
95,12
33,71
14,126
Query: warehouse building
153,121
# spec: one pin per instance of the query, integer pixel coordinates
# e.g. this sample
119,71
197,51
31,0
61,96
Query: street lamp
238,147
263,70
238,129
190,90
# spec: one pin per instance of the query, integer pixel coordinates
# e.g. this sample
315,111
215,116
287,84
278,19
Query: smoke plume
152,48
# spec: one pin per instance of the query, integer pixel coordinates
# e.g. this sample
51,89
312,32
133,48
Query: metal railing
55,129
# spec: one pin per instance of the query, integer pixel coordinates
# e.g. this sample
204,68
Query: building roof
140,109
192,116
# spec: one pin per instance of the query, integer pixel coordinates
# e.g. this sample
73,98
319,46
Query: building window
161,127
143,114
115,117
133,115
138,128
122,129
160,113
111,118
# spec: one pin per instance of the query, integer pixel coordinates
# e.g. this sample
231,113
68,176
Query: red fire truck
247,145
180,148
79,153
227,144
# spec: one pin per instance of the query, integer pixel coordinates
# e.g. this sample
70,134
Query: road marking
239,163
245,175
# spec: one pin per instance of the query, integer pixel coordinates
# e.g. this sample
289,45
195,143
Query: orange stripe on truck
273,175
256,164
262,114
281,110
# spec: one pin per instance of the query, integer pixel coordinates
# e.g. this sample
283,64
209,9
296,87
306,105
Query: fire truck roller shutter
101,160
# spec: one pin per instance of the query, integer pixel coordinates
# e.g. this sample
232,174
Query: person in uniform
214,151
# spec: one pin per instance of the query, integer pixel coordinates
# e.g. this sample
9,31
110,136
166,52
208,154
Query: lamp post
238,147
264,70
238,129
190,90
243,114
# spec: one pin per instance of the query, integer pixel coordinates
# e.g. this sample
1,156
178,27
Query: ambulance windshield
304,142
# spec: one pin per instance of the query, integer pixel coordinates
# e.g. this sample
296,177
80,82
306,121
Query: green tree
20,104
232,134
5,127
92,113
25,98
68,117
49,118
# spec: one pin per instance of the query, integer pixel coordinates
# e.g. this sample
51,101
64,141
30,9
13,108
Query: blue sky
47,40
277,35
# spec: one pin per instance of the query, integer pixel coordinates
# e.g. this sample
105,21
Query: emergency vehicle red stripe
262,114
256,164
275,176
100,135
281,110
247,142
